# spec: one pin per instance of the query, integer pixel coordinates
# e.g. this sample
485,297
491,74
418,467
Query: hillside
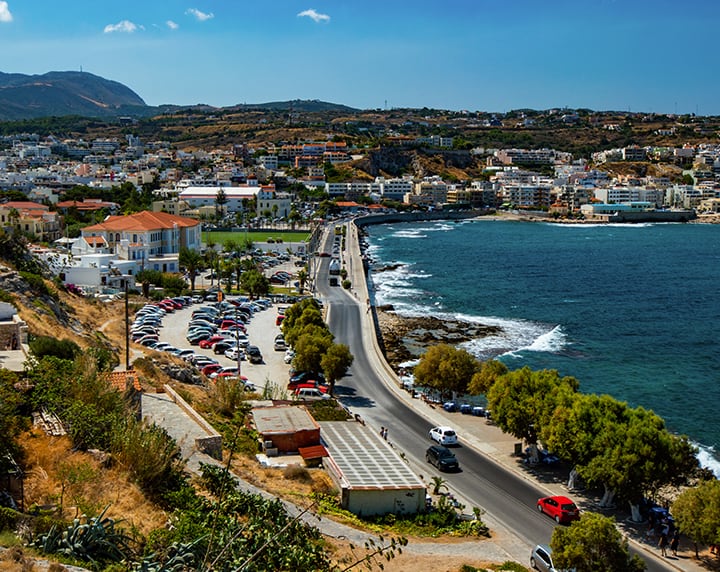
64,93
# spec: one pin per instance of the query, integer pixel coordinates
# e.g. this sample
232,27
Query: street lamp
237,346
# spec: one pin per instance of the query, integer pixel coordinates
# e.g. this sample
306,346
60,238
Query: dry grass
88,485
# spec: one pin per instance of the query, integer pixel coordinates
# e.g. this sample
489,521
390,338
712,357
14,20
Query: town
102,212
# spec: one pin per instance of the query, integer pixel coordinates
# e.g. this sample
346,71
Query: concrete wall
417,216
291,442
212,444
384,501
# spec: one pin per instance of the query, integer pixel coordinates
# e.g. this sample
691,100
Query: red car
209,369
211,341
307,385
562,509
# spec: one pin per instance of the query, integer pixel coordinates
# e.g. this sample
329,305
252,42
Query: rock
407,338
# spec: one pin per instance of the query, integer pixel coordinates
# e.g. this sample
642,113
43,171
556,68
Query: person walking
675,542
382,432
663,543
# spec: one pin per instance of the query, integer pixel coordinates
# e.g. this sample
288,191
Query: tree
302,279
522,401
489,372
310,316
192,261
446,368
220,201
593,544
310,349
697,513
255,283
335,363
147,277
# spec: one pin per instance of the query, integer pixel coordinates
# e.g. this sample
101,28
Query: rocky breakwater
406,338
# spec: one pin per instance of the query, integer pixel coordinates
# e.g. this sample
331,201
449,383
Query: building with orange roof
30,218
88,205
151,239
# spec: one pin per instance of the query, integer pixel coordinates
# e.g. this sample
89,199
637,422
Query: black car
307,376
220,347
442,457
253,354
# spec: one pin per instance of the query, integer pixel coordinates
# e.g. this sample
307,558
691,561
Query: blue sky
487,55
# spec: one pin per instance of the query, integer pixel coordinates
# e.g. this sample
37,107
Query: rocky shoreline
406,338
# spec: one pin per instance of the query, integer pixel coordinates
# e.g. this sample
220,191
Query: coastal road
509,498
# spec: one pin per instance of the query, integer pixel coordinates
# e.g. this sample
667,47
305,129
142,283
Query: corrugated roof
283,420
364,460
314,452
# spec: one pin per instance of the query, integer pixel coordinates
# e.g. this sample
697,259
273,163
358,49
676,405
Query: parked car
541,559
211,341
212,368
442,457
289,355
235,353
444,435
305,376
221,347
561,508
253,354
310,394
309,384
279,345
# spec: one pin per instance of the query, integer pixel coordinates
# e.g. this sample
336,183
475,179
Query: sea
629,310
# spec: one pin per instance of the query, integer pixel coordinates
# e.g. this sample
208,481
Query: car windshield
445,453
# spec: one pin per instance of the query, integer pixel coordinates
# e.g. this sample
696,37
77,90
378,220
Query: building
372,478
207,196
285,429
13,330
276,203
154,239
32,219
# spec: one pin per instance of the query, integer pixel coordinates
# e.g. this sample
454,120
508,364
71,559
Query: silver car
540,558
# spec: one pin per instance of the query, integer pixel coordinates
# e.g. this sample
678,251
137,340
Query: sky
477,55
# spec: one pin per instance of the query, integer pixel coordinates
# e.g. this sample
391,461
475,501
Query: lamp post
237,344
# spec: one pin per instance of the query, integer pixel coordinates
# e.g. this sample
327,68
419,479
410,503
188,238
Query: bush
36,283
297,473
346,284
8,518
46,346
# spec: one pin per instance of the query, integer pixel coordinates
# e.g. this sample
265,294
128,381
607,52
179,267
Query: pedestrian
382,432
675,542
662,543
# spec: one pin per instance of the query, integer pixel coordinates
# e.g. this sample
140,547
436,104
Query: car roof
561,499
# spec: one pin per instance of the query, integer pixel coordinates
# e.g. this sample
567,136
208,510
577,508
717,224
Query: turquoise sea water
629,310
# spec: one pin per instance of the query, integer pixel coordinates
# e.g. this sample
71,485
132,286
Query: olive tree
593,544
446,368
697,513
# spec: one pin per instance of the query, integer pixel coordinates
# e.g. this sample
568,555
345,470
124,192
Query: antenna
80,68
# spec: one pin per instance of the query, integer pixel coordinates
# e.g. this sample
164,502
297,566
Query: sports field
219,237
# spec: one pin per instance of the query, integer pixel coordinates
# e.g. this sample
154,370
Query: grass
219,237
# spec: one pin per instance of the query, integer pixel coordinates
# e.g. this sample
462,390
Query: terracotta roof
347,204
25,206
313,452
86,204
123,380
142,221
95,240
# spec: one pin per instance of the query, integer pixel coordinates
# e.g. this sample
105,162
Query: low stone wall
212,444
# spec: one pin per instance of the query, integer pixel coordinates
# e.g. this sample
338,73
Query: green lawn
255,236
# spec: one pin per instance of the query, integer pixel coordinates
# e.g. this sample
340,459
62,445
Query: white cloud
122,26
199,16
314,15
172,25
5,14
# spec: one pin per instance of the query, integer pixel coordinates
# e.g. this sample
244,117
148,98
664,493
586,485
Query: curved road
510,499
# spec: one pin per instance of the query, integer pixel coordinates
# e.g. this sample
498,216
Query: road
509,498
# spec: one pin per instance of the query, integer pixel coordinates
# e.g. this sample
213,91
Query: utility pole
127,329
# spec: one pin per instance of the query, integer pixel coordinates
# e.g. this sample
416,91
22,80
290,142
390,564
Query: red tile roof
313,452
123,380
142,221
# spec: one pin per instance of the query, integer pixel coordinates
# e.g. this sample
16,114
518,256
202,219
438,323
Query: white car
444,435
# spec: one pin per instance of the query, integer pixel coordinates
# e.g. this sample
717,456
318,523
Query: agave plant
95,540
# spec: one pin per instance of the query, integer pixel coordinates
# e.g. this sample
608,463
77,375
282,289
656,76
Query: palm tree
438,483
191,260
302,279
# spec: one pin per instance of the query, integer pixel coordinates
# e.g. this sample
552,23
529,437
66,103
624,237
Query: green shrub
297,473
43,346
8,518
346,284
37,284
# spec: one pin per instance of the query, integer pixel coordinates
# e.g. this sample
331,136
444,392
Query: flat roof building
371,476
